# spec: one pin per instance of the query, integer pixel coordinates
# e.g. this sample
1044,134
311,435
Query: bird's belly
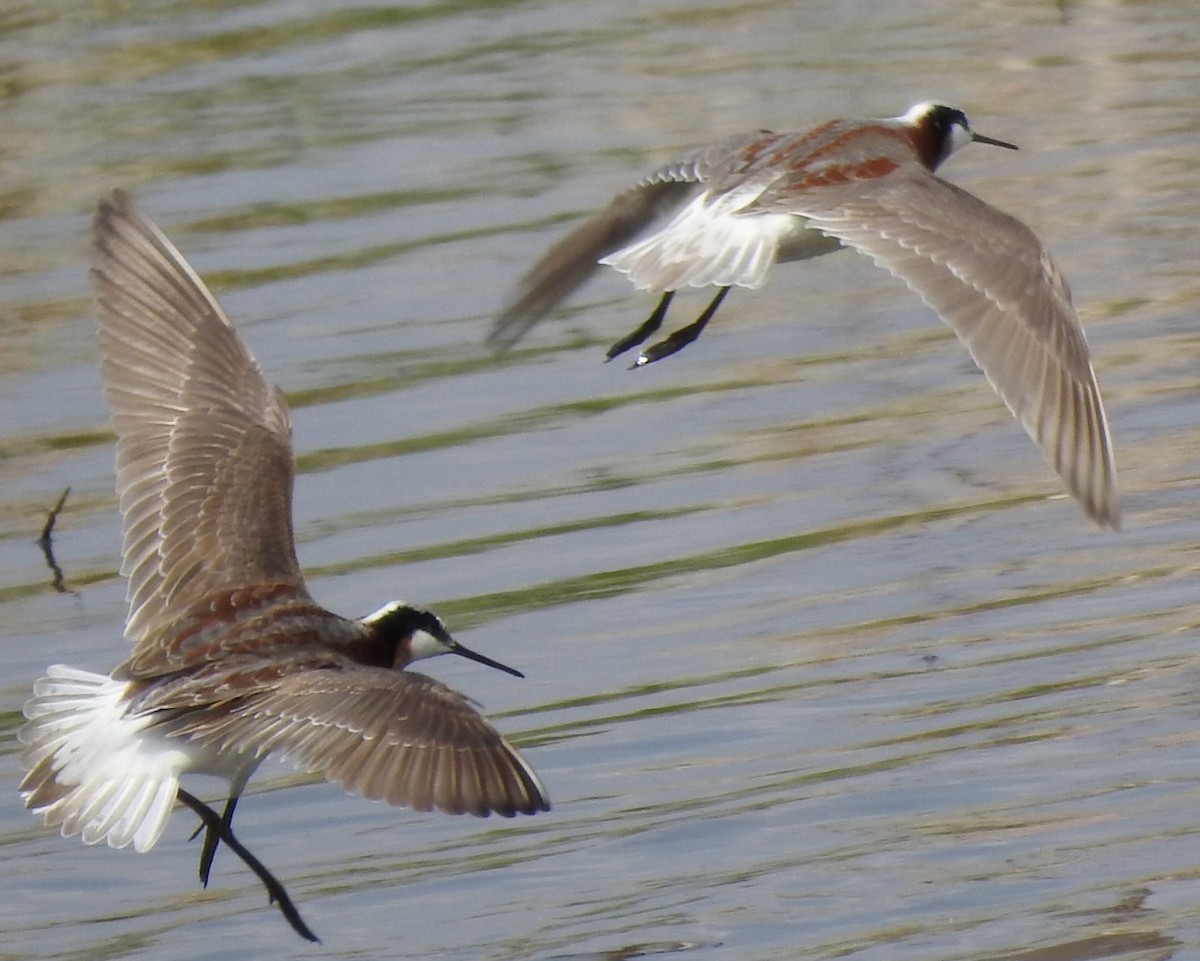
707,245
199,755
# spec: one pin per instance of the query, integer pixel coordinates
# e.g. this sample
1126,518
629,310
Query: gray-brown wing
568,264
394,736
988,277
204,459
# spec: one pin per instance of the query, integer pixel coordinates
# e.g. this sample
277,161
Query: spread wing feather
204,457
988,277
394,736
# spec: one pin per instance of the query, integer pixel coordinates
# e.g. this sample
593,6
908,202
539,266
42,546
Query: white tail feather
96,770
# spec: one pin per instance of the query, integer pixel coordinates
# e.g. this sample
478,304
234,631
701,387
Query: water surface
820,661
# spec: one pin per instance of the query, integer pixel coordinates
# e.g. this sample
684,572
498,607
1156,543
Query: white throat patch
425,644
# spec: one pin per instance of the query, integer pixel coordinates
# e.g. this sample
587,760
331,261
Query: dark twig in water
45,542
276,891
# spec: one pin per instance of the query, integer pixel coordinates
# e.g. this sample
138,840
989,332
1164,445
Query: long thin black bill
980,138
470,655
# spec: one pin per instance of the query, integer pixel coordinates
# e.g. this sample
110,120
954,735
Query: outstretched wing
394,736
204,458
988,277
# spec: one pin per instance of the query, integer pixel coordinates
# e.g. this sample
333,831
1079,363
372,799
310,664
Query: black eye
954,118
430,623
944,118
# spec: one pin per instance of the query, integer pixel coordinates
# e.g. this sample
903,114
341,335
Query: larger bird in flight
232,659
723,215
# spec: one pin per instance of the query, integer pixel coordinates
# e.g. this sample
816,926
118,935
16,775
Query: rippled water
820,662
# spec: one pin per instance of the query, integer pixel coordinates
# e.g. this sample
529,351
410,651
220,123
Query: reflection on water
819,660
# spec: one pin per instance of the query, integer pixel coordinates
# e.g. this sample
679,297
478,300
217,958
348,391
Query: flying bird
232,659
721,216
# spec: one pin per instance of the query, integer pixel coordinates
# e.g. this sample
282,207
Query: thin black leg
682,337
213,838
649,326
276,891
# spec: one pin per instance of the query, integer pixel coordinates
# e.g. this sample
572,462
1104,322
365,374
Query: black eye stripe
404,620
943,118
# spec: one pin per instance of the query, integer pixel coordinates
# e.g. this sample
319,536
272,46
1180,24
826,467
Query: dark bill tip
470,655
980,138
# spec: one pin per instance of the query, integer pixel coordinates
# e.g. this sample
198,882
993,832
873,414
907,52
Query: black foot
213,838
649,326
276,891
682,337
